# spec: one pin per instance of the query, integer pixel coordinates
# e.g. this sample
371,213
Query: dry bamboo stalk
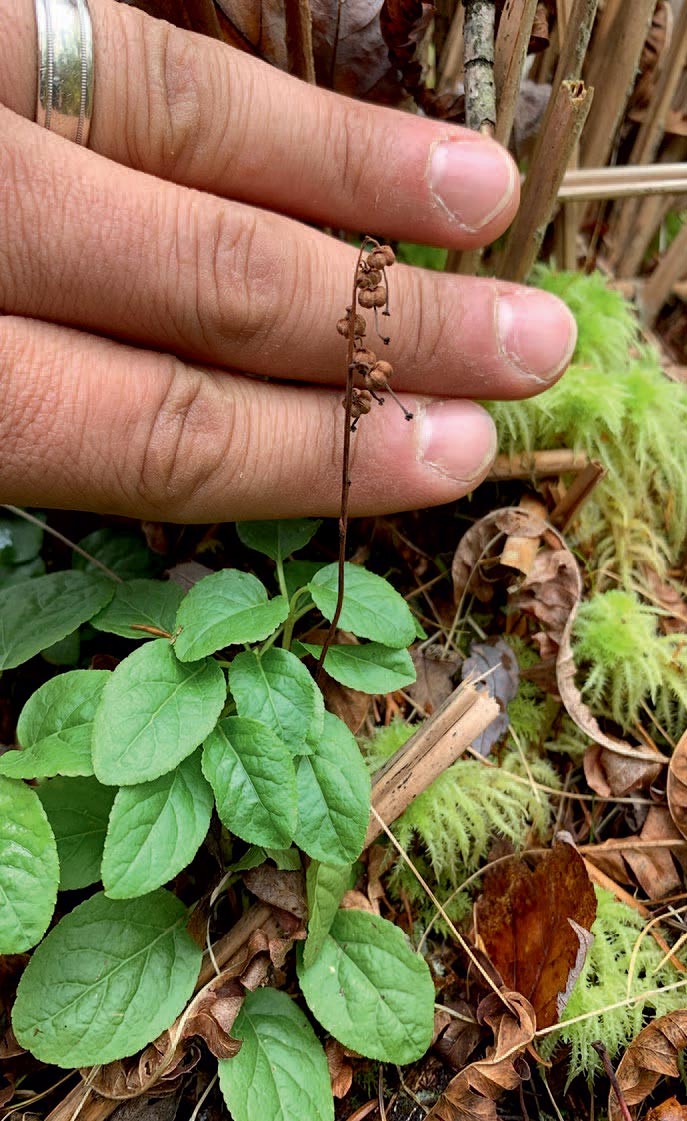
433,748
565,123
650,174
650,215
299,39
231,942
651,130
612,66
670,270
538,465
93,1108
604,190
510,52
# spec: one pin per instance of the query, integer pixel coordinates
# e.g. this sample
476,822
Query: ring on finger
64,102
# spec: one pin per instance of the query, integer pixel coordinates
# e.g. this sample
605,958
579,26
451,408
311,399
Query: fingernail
536,332
472,180
457,439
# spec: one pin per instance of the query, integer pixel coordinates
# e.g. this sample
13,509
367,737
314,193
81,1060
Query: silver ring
64,102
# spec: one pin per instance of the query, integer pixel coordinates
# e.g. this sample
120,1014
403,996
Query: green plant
214,707
623,963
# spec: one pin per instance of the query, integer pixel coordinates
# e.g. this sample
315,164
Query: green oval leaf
46,610
281,1071
155,830
253,777
333,797
153,713
370,990
29,871
326,886
371,607
55,727
151,603
372,668
107,980
223,609
277,539
124,553
78,810
276,688
20,540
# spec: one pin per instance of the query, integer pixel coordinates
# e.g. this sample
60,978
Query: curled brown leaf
651,1055
677,786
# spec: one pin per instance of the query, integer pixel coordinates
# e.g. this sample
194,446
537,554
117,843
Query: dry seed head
375,297
364,358
342,326
381,258
369,278
377,379
361,403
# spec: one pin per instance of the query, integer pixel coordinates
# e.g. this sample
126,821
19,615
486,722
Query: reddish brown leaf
283,889
435,674
671,600
651,1055
655,870
617,776
534,924
677,786
404,25
456,1038
669,1110
340,1067
350,53
472,1094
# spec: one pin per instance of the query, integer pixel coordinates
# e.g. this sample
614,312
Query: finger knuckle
175,70
184,441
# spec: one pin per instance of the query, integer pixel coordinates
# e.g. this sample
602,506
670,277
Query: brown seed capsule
342,326
376,297
361,403
377,379
369,279
381,258
363,358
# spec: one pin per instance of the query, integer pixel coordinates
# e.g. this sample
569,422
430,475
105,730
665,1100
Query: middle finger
91,243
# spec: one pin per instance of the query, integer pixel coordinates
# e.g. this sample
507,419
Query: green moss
621,962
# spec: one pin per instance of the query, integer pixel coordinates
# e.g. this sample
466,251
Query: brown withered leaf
534,924
669,1110
495,661
434,683
655,870
192,15
677,785
283,889
351,56
256,26
473,1093
651,1055
671,600
404,25
617,776
340,1067
473,559
456,1039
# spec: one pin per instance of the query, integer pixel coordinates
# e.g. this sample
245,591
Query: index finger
193,110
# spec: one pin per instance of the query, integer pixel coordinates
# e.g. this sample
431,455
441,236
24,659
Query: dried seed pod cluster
371,375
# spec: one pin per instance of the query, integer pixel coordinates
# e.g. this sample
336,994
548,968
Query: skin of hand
168,346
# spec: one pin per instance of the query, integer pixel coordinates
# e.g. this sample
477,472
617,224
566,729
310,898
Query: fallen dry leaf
351,56
473,559
651,1055
456,1039
340,1067
535,926
495,662
617,776
669,597
677,786
655,870
669,1110
472,1094
435,678
283,889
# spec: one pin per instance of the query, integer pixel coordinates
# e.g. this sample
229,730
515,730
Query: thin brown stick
435,746
230,943
537,465
671,268
299,39
451,60
577,494
565,124
515,28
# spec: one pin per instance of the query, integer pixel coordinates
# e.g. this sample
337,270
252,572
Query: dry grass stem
515,27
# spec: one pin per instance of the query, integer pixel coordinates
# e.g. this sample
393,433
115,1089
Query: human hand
141,281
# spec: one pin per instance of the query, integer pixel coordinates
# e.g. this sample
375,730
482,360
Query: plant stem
612,1078
345,468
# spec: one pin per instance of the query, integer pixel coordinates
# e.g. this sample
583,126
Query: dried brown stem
299,39
671,268
537,465
433,748
566,121
515,27
346,462
611,1075
577,494
225,948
